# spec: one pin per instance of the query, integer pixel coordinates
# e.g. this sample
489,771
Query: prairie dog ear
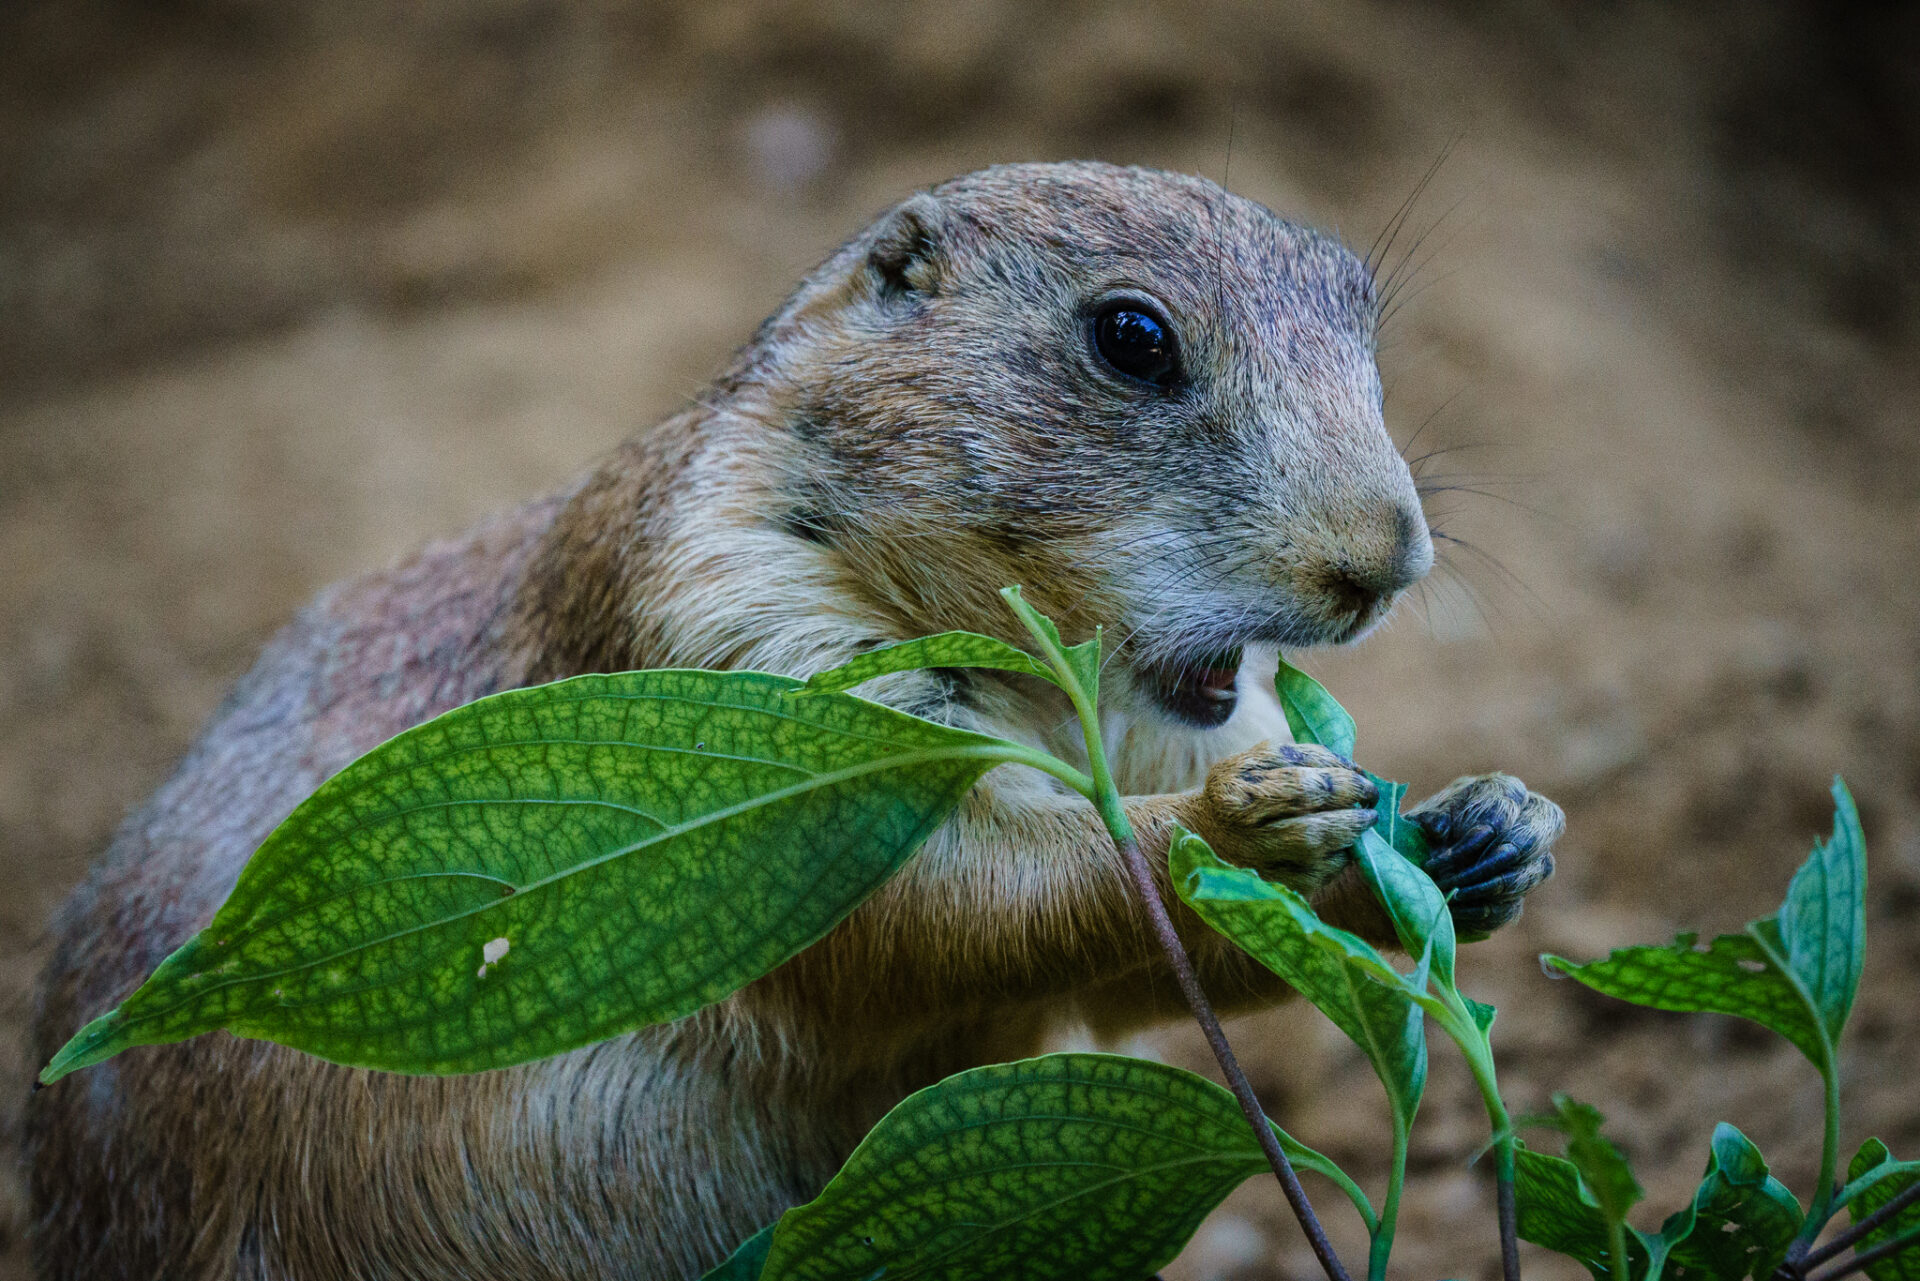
906,253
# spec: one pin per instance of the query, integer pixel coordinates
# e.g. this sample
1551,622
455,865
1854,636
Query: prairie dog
1151,403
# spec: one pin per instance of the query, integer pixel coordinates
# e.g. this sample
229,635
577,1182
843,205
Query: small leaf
1886,1179
1069,1165
1404,835
746,1262
1083,660
1608,1179
949,649
1823,922
552,866
1740,1221
1338,972
1390,853
1413,902
1313,714
1795,973
1554,1210
1733,975
1574,1205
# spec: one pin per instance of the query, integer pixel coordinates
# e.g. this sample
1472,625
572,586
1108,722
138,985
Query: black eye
1136,342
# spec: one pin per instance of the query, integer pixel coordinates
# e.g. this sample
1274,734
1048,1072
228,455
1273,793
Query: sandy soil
285,290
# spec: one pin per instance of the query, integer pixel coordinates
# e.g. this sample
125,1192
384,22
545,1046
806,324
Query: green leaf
746,1262
1795,973
1391,851
1575,1206
1312,714
1879,1178
1603,1170
1733,975
1553,1209
1082,660
1740,1221
1405,836
948,649
1413,902
1344,977
1823,923
1068,1165
552,866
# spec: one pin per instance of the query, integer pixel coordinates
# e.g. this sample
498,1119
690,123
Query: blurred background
287,288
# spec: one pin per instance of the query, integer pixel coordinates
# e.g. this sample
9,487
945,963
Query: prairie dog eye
1133,338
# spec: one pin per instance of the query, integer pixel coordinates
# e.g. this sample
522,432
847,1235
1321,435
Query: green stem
1823,1201
1048,763
1106,798
1457,1022
1827,1196
1382,1243
1617,1250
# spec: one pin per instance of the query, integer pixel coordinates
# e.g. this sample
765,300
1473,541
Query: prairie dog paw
1491,845
1288,812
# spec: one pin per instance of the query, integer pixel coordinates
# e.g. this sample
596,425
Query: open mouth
1201,692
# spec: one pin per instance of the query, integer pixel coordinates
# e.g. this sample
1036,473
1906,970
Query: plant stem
1382,1244
1106,798
1458,1024
1617,1250
1217,1040
1867,1258
1906,1197
1823,1205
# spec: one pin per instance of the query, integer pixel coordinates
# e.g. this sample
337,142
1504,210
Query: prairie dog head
1150,402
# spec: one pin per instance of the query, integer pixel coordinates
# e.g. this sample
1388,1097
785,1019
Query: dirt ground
287,289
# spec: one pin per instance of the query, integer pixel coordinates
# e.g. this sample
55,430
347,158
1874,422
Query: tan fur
920,424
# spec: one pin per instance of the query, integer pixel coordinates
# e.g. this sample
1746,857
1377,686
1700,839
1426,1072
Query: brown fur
921,423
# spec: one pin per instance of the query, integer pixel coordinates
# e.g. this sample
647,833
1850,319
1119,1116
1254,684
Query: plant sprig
405,918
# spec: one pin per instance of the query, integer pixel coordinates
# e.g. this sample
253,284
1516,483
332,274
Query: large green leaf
1344,977
1080,1166
1879,1178
948,649
1312,714
552,866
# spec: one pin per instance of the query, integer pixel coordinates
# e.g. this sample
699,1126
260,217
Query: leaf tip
96,1041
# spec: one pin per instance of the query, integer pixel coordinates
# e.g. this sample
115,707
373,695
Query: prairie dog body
1151,403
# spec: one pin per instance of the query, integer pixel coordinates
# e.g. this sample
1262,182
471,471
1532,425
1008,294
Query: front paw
1490,843
1291,813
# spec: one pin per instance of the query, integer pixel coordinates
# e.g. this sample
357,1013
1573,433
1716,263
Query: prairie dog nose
1392,553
